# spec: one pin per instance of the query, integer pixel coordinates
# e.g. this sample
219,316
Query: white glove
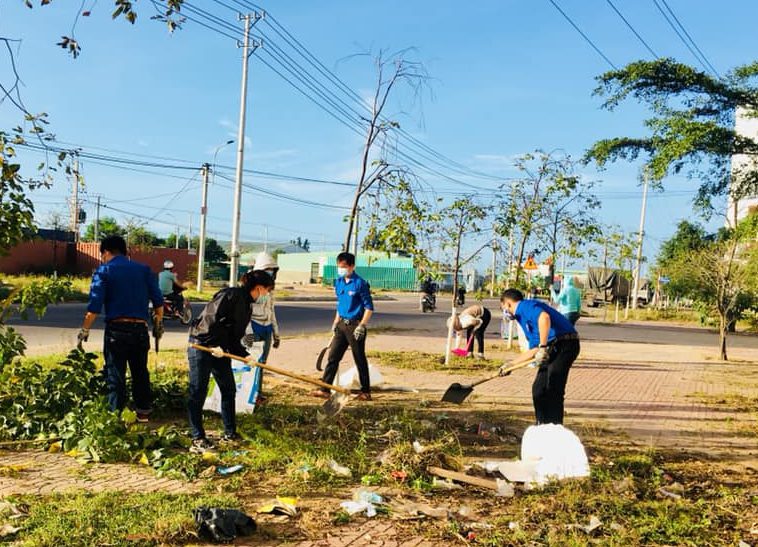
217,352
541,357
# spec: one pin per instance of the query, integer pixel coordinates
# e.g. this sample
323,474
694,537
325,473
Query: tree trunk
454,309
722,339
520,257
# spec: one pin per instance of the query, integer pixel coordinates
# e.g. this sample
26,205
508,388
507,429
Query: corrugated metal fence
379,277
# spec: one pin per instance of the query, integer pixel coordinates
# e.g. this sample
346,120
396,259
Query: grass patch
79,285
112,518
419,360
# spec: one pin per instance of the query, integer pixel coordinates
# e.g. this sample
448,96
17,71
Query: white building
745,126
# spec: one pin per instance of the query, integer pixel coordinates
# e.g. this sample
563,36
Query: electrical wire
583,35
628,24
687,34
676,30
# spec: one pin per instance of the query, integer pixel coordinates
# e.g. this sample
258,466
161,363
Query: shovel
322,354
458,393
332,407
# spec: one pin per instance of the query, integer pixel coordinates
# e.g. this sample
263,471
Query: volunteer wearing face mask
263,324
553,345
354,310
221,326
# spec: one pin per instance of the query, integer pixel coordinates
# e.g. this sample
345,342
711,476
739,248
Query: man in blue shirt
124,288
553,346
354,310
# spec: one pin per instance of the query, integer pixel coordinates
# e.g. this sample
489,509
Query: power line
628,24
337,111
583,35
681,26
703,62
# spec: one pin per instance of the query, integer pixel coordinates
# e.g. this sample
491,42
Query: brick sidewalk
44,473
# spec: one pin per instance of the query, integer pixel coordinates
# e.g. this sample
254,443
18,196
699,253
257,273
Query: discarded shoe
223,525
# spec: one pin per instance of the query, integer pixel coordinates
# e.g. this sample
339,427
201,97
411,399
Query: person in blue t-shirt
354,310
553,345
124,287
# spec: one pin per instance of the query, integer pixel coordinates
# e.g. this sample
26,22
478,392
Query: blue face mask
262,299
342,272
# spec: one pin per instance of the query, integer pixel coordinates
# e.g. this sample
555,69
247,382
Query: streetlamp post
204,216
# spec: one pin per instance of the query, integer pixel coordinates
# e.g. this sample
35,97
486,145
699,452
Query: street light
204,214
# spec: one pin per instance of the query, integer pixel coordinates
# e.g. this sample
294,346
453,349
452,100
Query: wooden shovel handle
278,370
498,375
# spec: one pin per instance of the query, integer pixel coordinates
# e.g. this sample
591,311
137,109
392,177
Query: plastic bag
223,525
248,381
555,451
350,379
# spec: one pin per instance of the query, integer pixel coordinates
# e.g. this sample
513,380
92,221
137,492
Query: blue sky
508,77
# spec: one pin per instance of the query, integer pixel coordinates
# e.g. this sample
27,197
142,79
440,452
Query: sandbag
223,525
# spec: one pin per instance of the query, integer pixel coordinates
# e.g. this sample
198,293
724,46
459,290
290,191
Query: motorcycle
428,302
172,311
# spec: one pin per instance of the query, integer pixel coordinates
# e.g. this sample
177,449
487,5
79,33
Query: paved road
57,330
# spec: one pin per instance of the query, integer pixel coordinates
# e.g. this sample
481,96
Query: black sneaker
201,446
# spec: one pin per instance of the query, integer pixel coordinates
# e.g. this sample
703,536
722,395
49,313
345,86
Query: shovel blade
457,393
335,404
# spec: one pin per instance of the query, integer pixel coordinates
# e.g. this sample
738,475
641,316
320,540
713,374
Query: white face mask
342,272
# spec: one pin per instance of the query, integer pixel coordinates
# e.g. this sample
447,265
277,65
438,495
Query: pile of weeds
63,407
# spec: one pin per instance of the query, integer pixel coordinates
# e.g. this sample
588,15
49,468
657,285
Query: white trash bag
555,453
351,380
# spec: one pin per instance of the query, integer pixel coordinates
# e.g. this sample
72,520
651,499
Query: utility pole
97,219
494,266
189,233
203,221
357,231
641,238
247,49
176,242
265,238
75,199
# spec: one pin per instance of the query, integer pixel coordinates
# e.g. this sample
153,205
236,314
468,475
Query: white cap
168,265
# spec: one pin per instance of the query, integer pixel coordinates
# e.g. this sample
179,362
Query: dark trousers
573,316
549,387
480,331
127,344
201,366
341,341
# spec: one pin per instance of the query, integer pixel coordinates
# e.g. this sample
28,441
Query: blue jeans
127,343
201,366
263,334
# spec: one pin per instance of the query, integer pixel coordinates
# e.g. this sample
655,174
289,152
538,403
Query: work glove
504,370
82,337
335,329
217,352
277,341
248,340
359,333
541,357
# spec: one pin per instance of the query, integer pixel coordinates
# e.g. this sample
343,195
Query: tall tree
377,163
108,227
719,272
691,126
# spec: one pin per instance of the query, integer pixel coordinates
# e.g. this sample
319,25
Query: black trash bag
223,525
